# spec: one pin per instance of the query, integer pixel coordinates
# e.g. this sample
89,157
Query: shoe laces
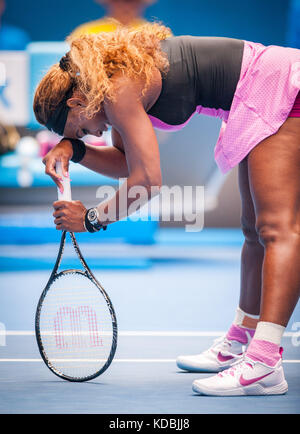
238,367
220,344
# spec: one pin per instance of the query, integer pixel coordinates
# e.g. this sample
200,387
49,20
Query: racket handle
66,195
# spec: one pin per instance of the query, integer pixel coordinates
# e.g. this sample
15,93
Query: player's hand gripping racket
75,324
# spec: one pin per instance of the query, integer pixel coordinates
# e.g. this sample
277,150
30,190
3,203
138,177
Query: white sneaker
246,377
221,355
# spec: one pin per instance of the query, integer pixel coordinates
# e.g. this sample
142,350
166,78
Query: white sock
240,315
268,331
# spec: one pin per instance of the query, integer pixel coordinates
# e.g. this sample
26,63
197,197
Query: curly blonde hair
94,59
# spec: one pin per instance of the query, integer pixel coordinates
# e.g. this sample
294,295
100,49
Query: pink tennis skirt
266,95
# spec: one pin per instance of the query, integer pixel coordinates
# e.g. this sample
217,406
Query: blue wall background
264,21
293,31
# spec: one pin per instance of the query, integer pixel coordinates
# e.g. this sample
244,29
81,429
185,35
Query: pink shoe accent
244,382
222,358
237,333
264,351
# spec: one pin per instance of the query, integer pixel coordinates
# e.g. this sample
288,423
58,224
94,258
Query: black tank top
204,71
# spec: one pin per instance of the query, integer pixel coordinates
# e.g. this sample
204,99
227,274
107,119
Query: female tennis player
136,80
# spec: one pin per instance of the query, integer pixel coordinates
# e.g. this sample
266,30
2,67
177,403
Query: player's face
78,125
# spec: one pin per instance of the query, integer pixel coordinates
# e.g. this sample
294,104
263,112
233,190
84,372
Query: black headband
58,119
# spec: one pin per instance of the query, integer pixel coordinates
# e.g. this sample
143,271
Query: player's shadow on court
73,382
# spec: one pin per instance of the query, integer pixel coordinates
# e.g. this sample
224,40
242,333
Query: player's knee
276,230
249,230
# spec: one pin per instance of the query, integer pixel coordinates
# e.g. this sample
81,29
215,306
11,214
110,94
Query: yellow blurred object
105,24
148,2
9,138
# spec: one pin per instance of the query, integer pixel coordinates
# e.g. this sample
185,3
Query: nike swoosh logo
222,358
244,382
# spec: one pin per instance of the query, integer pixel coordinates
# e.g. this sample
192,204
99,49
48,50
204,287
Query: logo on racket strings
76,328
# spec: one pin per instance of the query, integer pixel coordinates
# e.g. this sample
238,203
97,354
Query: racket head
75,325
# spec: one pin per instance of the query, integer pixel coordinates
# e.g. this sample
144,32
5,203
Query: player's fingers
51,171
59,204
58,213
58,221
65,166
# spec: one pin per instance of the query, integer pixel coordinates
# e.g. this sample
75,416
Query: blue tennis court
178,302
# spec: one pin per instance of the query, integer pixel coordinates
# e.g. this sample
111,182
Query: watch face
92,215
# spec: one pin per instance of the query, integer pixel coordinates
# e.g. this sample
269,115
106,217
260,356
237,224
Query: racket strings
75,326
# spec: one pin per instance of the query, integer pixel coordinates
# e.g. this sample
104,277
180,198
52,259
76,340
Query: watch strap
92,227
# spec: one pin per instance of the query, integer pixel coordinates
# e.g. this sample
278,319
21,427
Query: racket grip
66,195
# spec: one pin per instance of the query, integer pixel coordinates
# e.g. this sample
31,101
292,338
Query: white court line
144,333
134,334
127,333
119,360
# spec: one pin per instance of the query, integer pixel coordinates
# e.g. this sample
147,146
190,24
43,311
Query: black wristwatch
91,221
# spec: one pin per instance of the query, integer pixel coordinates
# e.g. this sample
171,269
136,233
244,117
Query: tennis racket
75,323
